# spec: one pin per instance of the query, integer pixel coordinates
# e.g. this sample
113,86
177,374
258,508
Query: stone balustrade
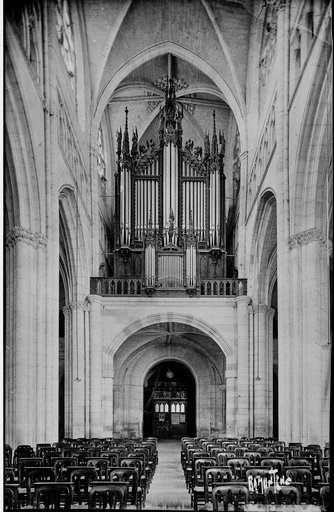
110,286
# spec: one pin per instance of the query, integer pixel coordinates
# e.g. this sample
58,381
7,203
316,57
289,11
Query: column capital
18,233
77,306
306,237
262,308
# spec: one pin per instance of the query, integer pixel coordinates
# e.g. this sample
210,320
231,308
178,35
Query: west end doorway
169,401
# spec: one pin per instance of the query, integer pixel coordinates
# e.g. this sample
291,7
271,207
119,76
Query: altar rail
133,287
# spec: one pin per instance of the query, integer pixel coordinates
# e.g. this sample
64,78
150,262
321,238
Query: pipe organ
170,218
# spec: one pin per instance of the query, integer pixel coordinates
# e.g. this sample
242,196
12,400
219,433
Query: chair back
132,462
215,475
9,476
8,455
129,475
238,467
274,463
100,464
112,457
303,476
60,465
324,469
224,456
27,462
287,494
200,464
229,494
253,457
38,475
53,496
81,478
110,493
11,497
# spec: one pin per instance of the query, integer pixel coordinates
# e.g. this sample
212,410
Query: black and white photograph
167,255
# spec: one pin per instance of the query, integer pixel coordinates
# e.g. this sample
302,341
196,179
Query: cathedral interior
168,226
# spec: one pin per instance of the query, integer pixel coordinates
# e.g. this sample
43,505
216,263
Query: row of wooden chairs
132,462
210,462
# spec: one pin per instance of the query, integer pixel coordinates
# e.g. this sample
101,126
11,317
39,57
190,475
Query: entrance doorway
169,401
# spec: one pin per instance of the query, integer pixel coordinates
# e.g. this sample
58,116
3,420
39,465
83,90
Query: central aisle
168,487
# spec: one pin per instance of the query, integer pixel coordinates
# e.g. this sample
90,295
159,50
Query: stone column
262,369
312,360
243,365
95,356
68,372
231,393
26,411
108,396
283,217
79,375
251,369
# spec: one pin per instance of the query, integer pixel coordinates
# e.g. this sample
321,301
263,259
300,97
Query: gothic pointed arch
264,247
164,48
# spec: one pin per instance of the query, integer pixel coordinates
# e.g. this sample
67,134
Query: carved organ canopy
170,201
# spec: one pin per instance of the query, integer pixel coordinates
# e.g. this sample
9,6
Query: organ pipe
190,188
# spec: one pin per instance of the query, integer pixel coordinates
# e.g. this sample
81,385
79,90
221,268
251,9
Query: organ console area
170,206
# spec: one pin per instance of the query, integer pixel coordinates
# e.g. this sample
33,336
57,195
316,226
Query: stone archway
169,407
161,344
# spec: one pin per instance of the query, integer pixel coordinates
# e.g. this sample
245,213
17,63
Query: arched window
183,409
173,408
156,407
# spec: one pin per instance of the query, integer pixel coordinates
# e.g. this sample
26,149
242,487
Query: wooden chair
324,498
224,456
113,457
213,476
101,466
287,495
135,495
11,498
274,463
60,466
324,469
81,478
9,476
25,462
235,494
8,455
137,463
238,467
57,495
197,479
109,493
301,476
253,457
38,475
256,478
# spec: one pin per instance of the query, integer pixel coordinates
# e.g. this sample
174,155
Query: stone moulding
19,233
82,306
306,237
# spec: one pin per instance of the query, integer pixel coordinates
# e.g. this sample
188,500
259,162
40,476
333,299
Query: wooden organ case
170,206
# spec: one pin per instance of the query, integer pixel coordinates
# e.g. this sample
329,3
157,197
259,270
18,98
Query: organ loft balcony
170,218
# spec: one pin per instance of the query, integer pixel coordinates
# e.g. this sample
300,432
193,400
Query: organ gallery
170,210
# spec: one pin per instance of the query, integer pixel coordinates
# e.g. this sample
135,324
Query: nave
188,474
